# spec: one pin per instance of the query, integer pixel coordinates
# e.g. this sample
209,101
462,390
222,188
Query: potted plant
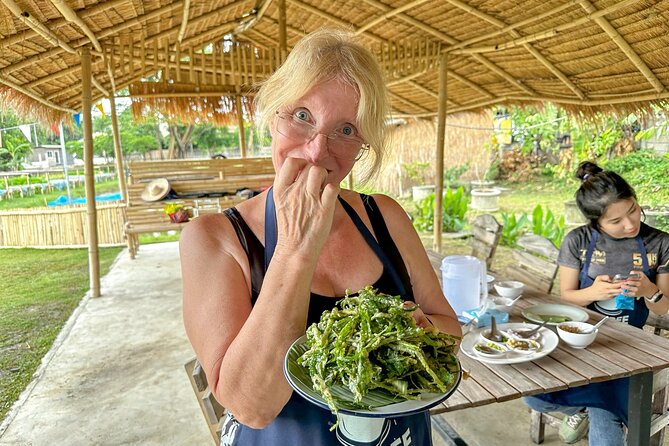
417,173
177,212
486,199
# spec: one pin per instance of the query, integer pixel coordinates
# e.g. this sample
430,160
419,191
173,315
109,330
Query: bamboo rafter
72,17
101,35
413,22
624,46
482,60
533,51
532,20
37,26
544,34
248,24
184,20
386,15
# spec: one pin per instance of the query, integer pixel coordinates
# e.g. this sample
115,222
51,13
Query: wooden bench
203,185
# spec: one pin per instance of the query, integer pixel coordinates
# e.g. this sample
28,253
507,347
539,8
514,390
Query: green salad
370,342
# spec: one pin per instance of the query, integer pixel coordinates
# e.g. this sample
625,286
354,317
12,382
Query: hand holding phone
624,302
623,277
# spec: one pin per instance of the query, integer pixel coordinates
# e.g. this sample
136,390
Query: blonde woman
256,276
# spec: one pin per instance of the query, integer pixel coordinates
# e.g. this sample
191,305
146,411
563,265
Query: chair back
486,232
536,262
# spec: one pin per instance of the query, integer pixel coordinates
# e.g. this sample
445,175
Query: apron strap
371,241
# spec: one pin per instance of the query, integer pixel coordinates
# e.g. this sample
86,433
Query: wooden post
441,143
283,45
118,152
86,103
240,123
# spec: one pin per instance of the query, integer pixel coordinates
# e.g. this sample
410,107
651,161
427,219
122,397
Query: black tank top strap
384,239
253,248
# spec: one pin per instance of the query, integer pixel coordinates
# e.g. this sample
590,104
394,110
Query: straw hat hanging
156,190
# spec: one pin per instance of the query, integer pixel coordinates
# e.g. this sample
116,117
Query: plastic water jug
464,282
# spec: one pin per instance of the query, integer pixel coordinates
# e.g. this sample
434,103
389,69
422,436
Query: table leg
639,409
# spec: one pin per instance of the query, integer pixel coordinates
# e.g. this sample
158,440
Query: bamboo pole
118,152
283,41
240,123
93,254
441,144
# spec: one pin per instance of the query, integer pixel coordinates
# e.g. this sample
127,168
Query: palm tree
15,154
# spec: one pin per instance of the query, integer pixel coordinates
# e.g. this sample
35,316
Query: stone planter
656,217
482,184
572,214
419,193
485,199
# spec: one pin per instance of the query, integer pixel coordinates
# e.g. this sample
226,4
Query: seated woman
615,241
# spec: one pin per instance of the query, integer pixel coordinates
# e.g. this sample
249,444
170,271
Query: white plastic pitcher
464,282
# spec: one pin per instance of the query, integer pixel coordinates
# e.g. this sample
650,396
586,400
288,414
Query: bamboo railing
65,226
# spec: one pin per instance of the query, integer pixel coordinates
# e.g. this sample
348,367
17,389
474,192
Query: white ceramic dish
490,280
538,313
548,340
500,301
577,340
382,404
509,288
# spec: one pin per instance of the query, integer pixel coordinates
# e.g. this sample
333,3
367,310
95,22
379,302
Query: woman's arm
662,284
601,289
240,347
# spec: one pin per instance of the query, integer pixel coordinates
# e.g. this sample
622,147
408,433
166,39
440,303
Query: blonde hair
321,56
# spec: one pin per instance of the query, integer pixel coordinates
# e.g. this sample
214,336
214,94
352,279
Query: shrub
546,225
513,228
454,208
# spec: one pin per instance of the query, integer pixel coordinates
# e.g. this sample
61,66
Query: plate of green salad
367,357
554,314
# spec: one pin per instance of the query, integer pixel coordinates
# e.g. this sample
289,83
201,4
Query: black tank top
300,422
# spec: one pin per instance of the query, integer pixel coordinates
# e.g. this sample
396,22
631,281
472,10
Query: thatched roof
584,55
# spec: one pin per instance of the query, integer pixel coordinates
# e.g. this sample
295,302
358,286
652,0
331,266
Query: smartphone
620,277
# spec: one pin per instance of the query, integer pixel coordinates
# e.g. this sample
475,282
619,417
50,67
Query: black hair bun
587,168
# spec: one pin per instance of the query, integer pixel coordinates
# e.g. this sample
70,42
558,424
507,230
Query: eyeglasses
342,141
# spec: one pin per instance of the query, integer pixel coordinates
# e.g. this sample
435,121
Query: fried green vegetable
371,341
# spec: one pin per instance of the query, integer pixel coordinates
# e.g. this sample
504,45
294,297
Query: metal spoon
529,333
596,326
494,334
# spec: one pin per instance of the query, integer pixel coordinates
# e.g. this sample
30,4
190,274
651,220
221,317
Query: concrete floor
115,374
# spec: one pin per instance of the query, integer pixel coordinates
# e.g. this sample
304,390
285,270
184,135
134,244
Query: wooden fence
62,226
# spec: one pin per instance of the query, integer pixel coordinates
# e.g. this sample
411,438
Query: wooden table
619,350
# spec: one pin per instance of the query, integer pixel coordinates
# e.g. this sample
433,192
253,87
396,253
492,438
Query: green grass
39,291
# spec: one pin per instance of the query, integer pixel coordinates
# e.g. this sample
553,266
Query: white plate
548,340
570,311
383,405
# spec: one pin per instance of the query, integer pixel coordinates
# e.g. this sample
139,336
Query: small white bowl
490,279
509,288
576,340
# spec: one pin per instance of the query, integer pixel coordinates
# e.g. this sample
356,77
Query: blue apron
608,395
637,316
303,423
